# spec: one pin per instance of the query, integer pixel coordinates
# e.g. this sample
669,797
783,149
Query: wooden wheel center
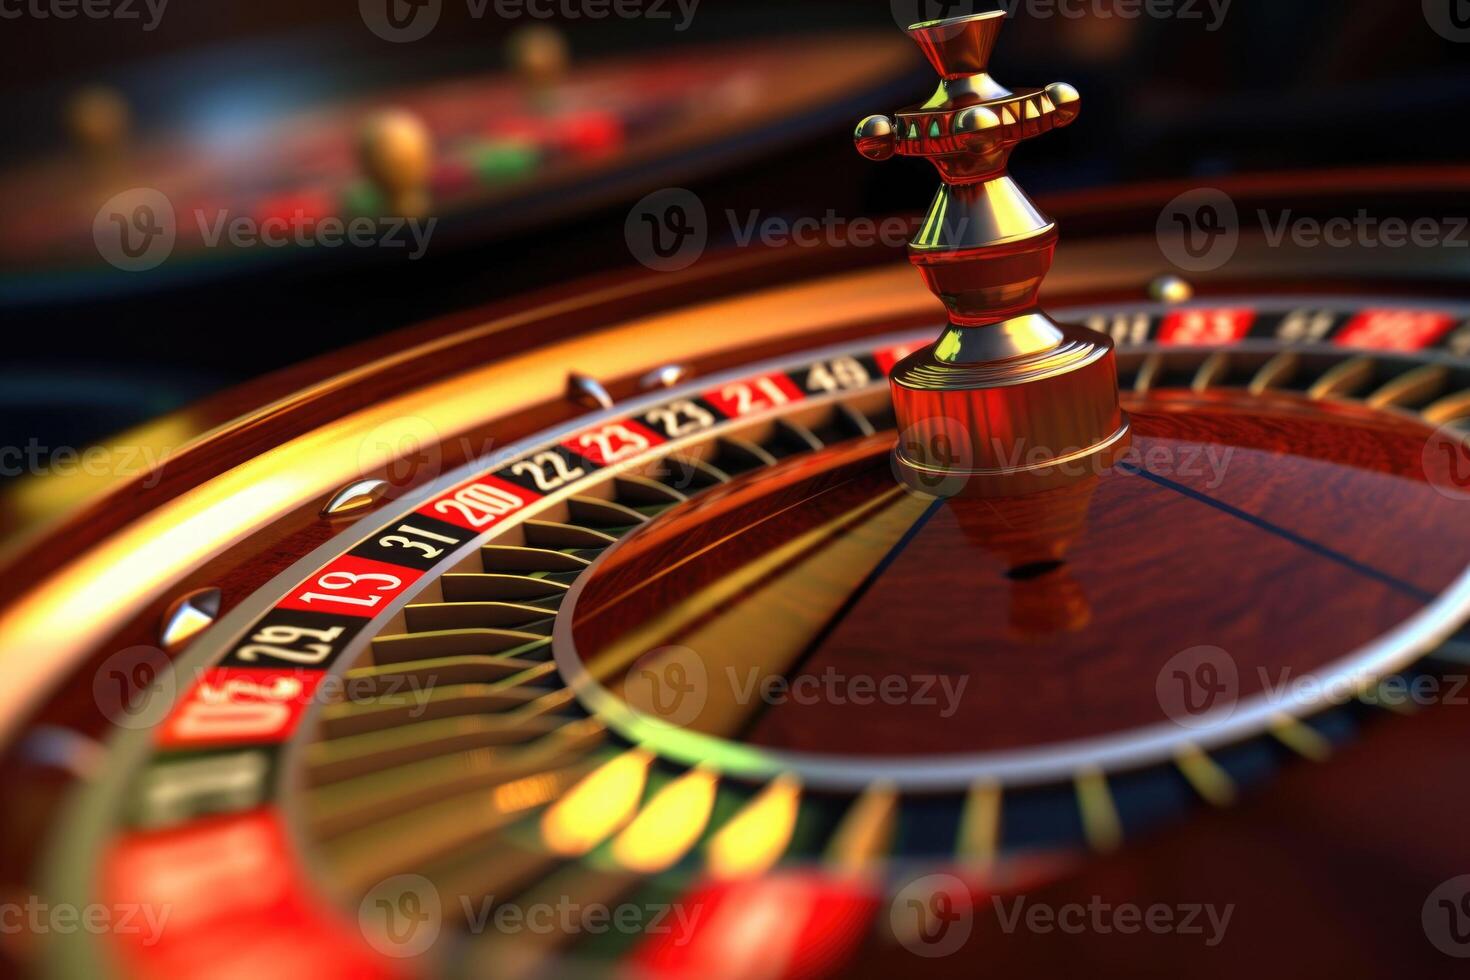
817,607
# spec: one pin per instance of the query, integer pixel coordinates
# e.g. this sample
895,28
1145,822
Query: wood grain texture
1327,870
1282,532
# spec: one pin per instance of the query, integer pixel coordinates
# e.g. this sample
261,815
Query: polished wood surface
1285,533
1327,870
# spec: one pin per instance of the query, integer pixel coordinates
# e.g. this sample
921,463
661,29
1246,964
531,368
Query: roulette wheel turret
397,155
98,118
602,631
540,57
1003,378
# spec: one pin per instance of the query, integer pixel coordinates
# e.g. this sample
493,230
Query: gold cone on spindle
1007,401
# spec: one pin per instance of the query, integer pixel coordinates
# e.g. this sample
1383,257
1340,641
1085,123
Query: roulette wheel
725,622
469,157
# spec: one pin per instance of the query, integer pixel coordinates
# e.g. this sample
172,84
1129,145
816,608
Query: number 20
480,505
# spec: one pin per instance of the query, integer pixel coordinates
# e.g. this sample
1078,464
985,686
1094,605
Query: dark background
1280,85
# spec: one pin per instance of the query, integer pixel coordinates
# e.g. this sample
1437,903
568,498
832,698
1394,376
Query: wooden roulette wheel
607,631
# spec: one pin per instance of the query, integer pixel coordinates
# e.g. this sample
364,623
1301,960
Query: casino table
484,155
1054,593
